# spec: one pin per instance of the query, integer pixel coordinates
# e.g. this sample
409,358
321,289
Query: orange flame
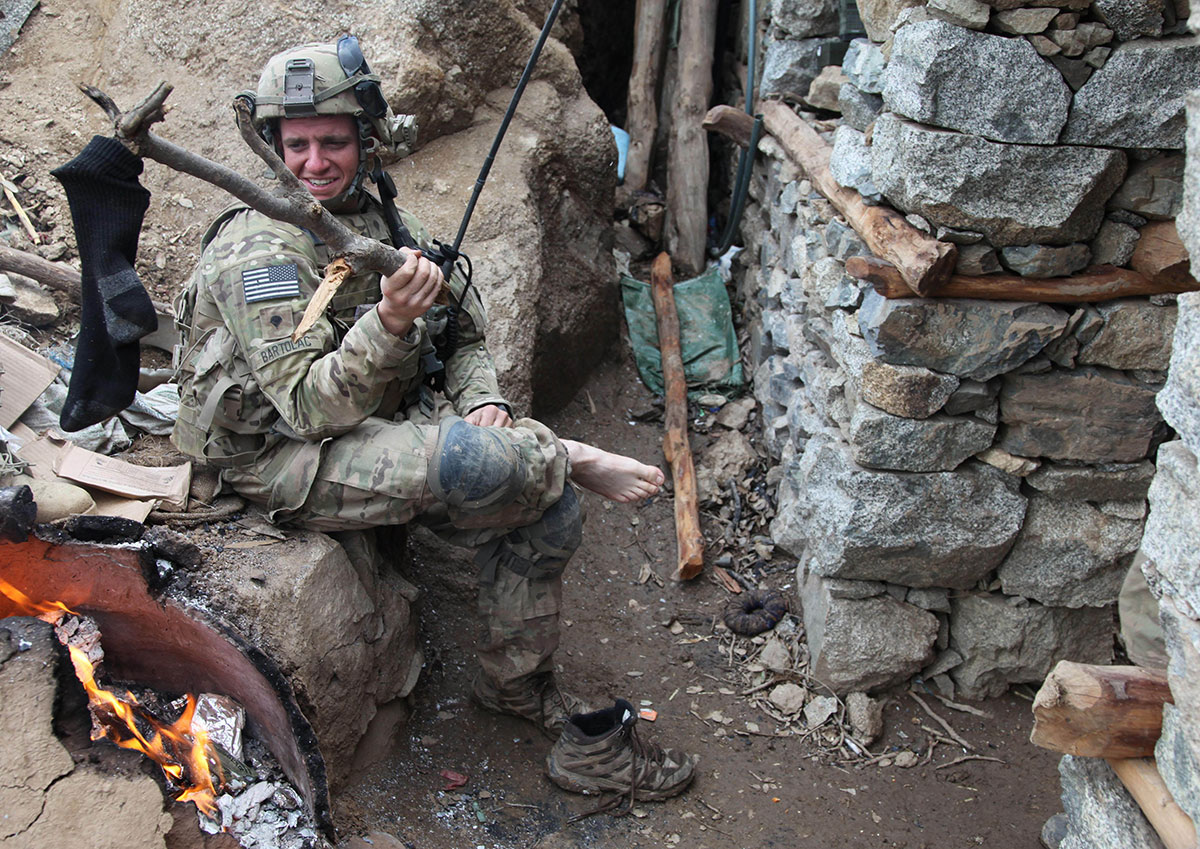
183,754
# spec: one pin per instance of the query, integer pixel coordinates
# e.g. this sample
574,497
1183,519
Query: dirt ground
752,789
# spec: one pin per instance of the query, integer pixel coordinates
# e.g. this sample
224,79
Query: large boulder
540,236
969,183
995,87
1100,811
1179,399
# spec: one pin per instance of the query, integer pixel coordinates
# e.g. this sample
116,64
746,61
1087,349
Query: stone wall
965,482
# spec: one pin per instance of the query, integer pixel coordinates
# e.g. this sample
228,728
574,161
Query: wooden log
690,544
1100,711
1161,256
1098,283
641,120
735,124
687,149
1144,783
55,275
924,263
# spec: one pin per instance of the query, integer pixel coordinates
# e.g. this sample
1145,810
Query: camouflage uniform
337,430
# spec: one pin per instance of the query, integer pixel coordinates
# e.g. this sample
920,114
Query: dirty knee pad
541,550
474,468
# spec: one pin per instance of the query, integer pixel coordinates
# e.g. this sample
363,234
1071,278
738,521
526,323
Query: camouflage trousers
376,475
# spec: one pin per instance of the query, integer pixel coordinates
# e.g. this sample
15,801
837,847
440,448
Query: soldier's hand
408,292
489,415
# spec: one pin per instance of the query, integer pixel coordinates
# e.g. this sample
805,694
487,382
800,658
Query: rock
359,610
1173,528
735,414
864,65
1137,98
969,338
973,396
1043,46
879,16
859,109
939,443
790,66
803,18
1005,643
825,89
1178,761
1131,19
1096,57
1045,260
1100,811
929,598
977,260
1070,554
850,164
987,85
1153,188
775,655
727,459
1054,830
1178,398
971,14
866,644
951,179
819,710
901,390
25,300
1094,35
789,698
1090,414
866,717
1009,463
1075,72
1188,222
1181,633
1070,42
1093,482
936,529
958,237
1136,334
1023,21
1114,243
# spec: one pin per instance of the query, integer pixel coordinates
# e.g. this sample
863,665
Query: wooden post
687,153
690,544
1100,711
924,263
641,119
1141,778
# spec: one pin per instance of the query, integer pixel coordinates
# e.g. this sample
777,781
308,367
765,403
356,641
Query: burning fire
183,753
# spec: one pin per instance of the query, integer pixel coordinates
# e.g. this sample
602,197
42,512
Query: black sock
107,206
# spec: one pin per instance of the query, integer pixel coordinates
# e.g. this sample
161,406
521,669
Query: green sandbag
707,339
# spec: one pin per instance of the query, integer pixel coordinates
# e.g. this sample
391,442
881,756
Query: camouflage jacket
247,390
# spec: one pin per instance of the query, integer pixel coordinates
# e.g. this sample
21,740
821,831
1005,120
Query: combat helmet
332,78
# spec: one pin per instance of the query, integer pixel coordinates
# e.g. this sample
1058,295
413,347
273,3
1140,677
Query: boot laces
645,752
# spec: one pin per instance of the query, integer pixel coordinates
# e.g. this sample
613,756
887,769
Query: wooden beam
690,544
1100,711
732,123
687,149
924,263
641,119
1098,283
1144,783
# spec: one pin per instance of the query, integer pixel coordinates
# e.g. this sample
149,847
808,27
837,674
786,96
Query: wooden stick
642,111
1100,711
735,124
687,152
1099,283
690,544
924,263
10,192
1141,778
945,725
55,275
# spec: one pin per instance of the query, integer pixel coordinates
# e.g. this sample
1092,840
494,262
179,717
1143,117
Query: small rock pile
965,481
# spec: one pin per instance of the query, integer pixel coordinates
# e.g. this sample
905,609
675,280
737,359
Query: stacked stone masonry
966,482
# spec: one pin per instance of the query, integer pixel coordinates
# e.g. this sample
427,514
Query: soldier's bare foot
615,476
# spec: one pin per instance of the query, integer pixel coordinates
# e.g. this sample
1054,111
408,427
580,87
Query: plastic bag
707,339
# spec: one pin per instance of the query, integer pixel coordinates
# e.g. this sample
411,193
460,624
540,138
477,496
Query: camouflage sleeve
262,274
470,372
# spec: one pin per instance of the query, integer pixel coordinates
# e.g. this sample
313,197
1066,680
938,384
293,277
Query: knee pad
474,468
560,530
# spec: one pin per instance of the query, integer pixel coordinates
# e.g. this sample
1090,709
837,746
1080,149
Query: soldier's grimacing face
321,151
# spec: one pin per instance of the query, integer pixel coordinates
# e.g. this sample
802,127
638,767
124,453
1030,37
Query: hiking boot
542,702
601,752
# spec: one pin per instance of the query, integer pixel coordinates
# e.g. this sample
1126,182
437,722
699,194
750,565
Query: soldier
341,429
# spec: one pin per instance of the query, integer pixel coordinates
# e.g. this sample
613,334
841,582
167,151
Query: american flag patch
274,281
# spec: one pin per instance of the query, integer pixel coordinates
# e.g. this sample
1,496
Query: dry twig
945,725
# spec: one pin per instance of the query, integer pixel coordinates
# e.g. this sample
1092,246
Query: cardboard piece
169,483
24,376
